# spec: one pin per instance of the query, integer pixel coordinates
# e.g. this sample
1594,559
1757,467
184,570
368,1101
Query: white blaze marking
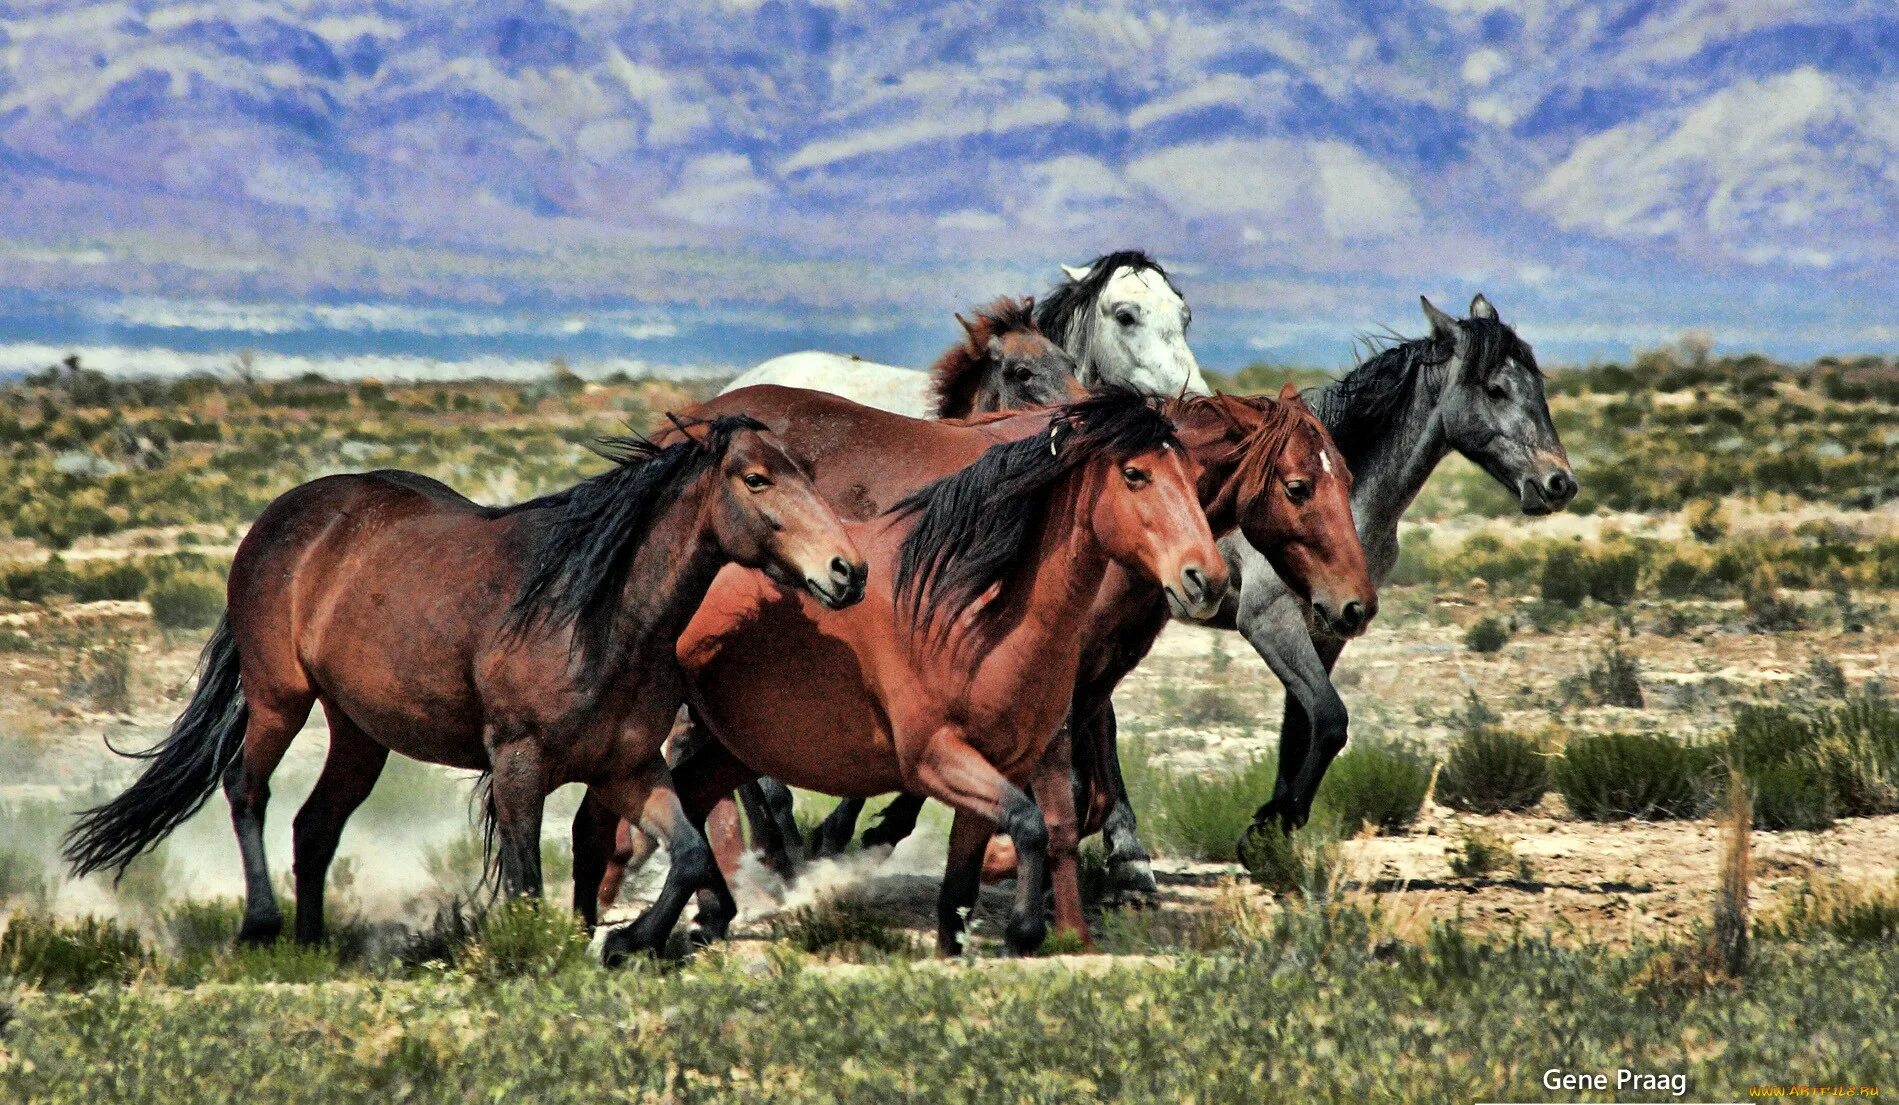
1325,461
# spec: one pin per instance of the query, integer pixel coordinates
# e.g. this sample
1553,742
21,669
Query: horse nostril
1196,581
841,570
1353,615
1560,485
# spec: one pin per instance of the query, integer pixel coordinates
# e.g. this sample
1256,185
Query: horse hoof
1025,934
1132,883
620,946
260,930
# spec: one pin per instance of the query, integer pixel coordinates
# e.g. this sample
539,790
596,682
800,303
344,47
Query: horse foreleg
1314,727
518,793
954,773
962,880
768,807
1055,793
709,774
897,821
1130,869
833,835
274,721
648,797
603,851
350,770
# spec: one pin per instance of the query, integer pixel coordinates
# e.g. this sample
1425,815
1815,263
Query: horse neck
1044,612
672,571
1390,467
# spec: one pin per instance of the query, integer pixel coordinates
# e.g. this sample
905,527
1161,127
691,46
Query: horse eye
1134,476
1298,490
757,481
1020,374
1126,318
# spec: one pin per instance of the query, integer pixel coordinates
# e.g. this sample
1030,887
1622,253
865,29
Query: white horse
1120,317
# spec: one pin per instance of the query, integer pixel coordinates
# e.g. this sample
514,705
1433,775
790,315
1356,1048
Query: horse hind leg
770,810
833,835
350,770
516,798
274,721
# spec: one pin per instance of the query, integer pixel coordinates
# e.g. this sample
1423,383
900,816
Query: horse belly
393,651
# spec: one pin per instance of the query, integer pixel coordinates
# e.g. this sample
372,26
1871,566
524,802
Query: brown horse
1267,468
1002,363
952,676
532,642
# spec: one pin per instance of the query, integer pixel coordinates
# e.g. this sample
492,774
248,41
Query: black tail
185,771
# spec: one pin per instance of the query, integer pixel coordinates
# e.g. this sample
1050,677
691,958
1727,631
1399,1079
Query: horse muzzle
841,585
1197,594
1345,619
1548,493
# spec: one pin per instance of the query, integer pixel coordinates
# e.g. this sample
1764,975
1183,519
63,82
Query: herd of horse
851,578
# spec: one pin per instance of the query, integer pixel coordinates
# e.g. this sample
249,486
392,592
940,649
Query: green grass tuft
1615,776
57,955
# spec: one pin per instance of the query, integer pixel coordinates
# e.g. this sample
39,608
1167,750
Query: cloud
1764,170
935,124
1280,180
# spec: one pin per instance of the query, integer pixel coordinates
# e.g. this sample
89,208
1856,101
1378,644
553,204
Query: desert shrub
189,600
1191,815
1862,912
1305,862
282,961
56,955
195,926
1611,576
24,882
1481,853
525,937
1677,578
1565,581
1705,520
1488,635
1767,609
843,925
1809,766
103,678
1614,679
1380,785
1490,770
1205,706
1615,776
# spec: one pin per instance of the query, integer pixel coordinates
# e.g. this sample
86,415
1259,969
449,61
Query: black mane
1360,408
1062,314
579,564
976,527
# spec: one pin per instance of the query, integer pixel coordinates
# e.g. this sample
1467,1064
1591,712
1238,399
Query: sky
399,185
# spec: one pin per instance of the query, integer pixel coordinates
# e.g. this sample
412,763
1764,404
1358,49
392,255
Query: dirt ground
1598,882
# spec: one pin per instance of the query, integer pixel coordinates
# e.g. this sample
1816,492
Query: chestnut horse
1268,468
532,642
952,676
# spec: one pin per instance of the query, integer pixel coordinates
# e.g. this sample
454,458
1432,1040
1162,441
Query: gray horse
1471,386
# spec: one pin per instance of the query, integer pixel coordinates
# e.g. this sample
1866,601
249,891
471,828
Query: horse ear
1077,273
1442,325
1289,393
1481,308
970,338
685,429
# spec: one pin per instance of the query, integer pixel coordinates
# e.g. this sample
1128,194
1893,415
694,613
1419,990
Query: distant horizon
393,341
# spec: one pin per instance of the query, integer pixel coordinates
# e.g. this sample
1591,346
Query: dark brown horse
532,642
953,675
1003,363
1267,468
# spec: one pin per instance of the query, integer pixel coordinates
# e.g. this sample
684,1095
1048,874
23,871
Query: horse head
1003,363
1492,408
1126,324
764,513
